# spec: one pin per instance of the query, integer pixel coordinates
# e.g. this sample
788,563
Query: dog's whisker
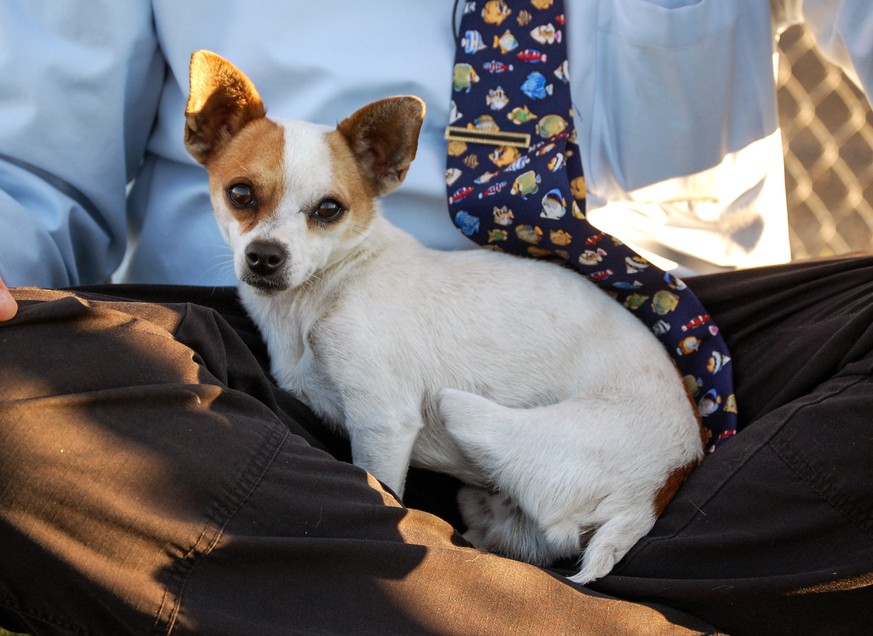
361,229
222,263
312,282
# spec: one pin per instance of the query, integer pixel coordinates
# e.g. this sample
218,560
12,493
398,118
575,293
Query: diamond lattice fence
827,129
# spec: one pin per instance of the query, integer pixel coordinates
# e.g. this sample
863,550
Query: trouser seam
819,486
218,517
766,442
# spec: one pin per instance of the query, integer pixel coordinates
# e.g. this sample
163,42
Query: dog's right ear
383,136
222,100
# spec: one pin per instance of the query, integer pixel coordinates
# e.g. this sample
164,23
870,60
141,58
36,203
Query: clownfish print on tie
515,183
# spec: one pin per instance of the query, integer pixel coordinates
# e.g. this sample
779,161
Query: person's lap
153,480
148,457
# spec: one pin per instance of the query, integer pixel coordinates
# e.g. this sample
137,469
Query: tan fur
253,157
356,192
221,102
665,495
678,477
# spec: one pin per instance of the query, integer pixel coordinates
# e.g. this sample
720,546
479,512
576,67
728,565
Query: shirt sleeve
80,92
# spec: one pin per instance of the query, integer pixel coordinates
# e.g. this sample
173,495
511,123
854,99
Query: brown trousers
153,480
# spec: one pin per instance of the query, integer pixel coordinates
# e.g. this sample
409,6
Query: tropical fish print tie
515,183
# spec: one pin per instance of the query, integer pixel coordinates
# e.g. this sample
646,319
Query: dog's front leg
383,446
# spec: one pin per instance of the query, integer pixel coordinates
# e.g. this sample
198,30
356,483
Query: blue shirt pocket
677,89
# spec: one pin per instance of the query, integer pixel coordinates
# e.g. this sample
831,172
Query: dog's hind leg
519,463
566,467
512,446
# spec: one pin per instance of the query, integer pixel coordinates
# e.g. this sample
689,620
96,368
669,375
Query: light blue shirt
675,110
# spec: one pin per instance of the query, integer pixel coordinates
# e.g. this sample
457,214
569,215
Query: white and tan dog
558,407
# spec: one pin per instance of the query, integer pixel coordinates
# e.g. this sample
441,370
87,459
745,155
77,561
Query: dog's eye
328,210
241,196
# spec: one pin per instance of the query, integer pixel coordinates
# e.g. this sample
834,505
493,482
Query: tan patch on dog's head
352,188
221,101
253,158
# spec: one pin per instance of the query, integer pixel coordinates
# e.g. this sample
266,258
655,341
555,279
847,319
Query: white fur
557,406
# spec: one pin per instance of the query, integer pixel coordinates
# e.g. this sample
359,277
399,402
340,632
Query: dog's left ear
222,100
383,136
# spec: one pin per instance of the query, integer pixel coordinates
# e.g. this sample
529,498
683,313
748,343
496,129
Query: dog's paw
476,538
497,524
481,508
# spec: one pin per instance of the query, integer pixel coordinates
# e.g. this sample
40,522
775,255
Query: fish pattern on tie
511,79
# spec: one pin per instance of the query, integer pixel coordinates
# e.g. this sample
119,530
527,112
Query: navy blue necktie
515,183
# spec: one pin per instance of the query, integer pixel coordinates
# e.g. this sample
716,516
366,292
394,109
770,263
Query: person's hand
8,306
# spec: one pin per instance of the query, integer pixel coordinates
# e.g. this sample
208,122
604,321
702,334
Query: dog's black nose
265,257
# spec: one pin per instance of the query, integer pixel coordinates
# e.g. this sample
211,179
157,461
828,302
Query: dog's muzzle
265,266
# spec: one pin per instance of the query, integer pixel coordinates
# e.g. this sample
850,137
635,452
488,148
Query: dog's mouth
265,284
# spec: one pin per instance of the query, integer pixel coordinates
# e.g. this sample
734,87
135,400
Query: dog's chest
287,329
300,373
318,358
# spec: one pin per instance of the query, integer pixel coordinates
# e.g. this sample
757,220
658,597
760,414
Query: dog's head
291,197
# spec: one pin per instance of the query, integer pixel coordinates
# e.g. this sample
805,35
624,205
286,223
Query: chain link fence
827,131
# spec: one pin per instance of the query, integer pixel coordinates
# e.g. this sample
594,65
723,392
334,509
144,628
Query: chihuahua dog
560,410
